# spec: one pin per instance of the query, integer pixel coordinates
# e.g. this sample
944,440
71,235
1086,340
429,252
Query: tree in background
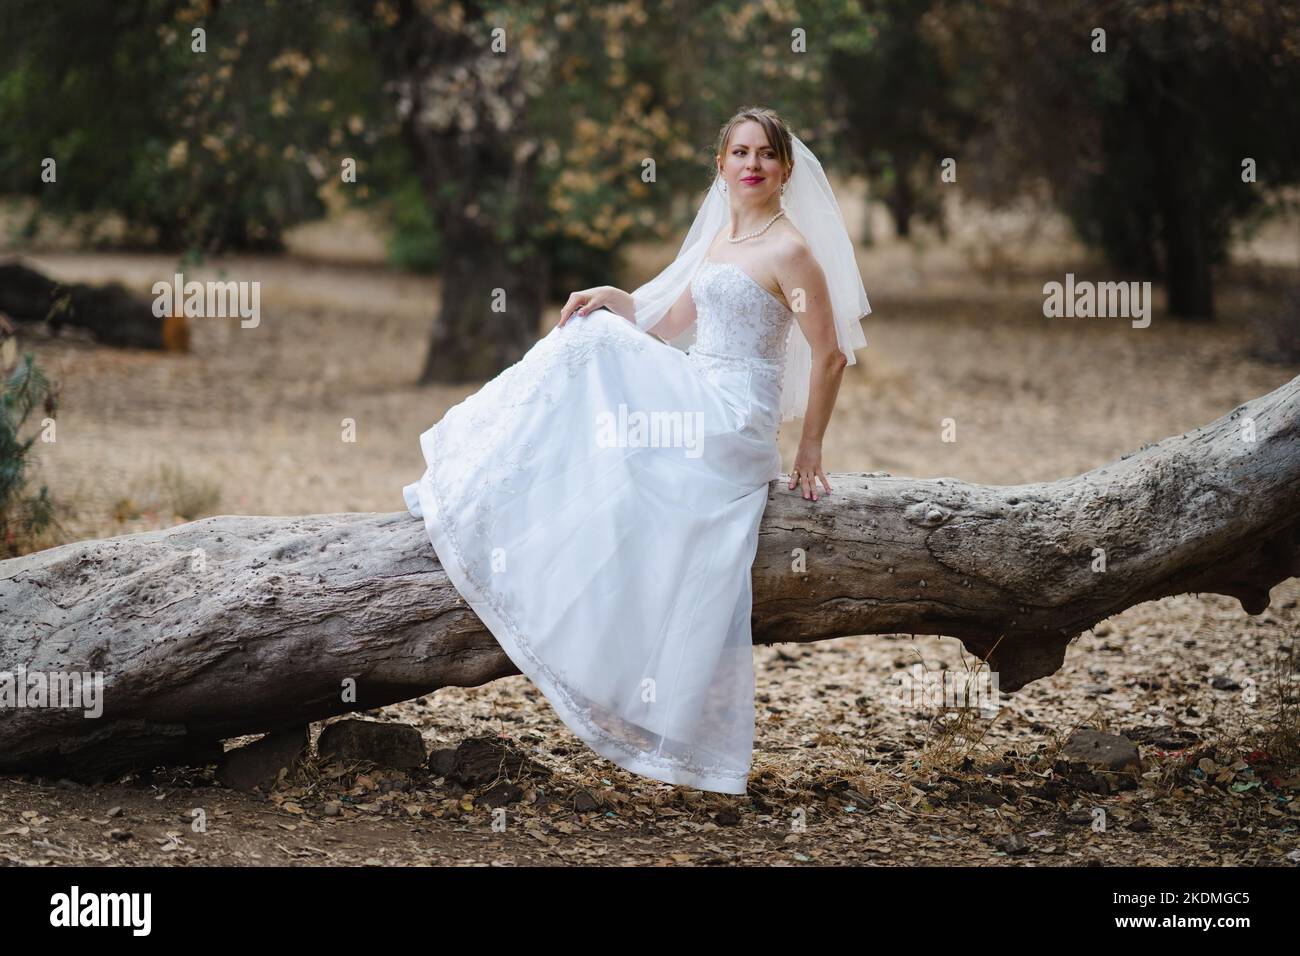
461,78
196,150
548,134
904,106
529,141
537,138
1142,145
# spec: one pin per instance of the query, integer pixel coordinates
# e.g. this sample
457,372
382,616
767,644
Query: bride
597,503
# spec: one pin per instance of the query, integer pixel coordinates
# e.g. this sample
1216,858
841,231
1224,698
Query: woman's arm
675,321
818,326
601,297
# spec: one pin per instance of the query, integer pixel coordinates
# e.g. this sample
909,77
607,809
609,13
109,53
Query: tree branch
235,625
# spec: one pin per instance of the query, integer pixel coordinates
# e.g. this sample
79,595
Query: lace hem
688,771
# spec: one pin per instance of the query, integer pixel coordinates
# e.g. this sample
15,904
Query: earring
723,183
783,185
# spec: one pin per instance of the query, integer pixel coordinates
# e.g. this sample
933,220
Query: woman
597,504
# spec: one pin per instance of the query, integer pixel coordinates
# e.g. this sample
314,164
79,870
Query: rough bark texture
236,625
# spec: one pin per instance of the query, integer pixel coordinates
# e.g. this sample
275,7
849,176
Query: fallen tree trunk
111,313
237,625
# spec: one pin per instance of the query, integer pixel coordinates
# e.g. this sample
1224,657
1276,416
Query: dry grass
169,493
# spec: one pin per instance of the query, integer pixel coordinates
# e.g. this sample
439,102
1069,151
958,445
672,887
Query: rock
259,764
1102,751
481,760
1014,845
442,760
1222,682
385,743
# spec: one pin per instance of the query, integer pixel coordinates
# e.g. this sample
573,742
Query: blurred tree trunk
480,330
1184,231
900,202
463,112
1187,261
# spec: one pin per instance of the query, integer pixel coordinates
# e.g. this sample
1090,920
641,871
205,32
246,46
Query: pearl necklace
757,232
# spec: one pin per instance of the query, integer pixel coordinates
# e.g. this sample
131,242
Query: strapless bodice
736,316
741,334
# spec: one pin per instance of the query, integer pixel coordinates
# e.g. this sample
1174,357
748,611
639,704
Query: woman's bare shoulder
791,249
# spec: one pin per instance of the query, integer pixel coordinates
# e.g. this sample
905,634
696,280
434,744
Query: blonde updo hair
778,133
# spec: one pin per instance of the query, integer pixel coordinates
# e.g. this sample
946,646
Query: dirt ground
249,423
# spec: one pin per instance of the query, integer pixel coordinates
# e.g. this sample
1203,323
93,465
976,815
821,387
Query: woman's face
749,166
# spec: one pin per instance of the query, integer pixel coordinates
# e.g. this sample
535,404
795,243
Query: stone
482,760
257,765
1101,750
385,743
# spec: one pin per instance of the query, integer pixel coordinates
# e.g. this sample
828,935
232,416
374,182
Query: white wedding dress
598,503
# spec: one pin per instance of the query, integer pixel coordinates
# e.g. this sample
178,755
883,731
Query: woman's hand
599,297
807,468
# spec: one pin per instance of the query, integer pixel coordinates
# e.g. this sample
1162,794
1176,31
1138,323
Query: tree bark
463,111
235,625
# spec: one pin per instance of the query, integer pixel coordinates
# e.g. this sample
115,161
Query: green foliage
414,243
1141,143
22,516
1178,105
643,81
195,150
203,151
904,106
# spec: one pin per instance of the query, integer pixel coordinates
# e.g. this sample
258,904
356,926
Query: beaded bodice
738,318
